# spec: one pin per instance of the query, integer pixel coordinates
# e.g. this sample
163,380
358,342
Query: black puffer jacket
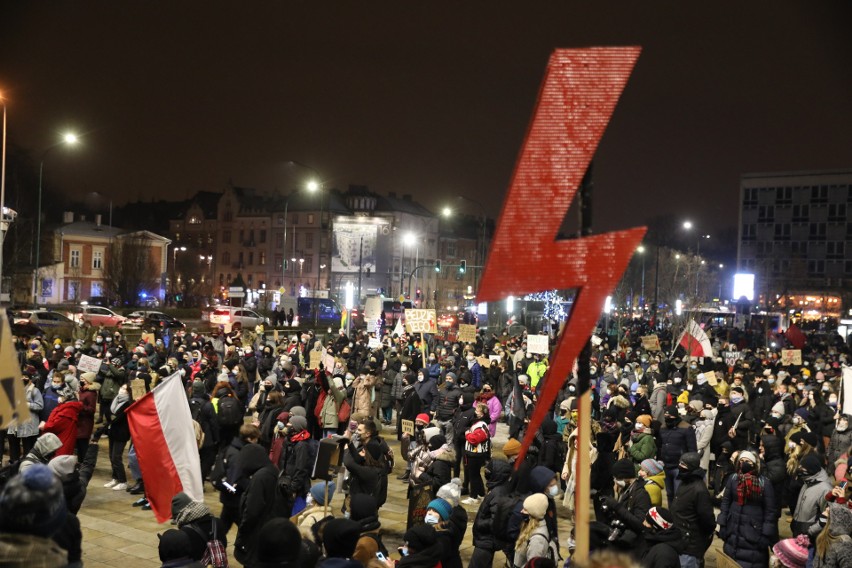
692,509
258,503
497,481
775,464
663,548
748,528
677,441
448,400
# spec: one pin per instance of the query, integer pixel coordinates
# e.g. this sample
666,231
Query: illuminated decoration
579,94
554,304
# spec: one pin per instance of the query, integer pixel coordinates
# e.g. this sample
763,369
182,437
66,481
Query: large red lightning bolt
579,94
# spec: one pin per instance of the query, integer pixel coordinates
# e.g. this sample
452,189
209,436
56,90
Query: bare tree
130,269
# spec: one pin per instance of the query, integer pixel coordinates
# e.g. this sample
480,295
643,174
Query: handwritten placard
137,388
374,343
537,344
711,378
408,427
316,358
651,343
421,321
791,356
467,333
89,364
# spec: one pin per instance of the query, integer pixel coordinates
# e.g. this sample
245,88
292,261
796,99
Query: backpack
195,406
505,507
229,412
552,548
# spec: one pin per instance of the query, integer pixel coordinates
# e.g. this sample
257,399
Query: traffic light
286,265
438,265
462,267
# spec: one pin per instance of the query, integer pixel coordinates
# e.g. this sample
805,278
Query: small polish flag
164,438
695,341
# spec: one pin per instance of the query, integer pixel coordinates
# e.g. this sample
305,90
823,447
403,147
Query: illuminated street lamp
641,250
2,192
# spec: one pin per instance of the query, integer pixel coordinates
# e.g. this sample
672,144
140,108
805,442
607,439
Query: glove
610,503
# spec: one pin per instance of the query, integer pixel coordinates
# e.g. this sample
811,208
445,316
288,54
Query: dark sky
429,98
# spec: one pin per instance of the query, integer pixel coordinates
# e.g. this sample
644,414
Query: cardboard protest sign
374,343
537,344
467,333
711,378
89,364
13,400
148,338
731,357
316,357
421,321
791,356
651,343
137,388
408,427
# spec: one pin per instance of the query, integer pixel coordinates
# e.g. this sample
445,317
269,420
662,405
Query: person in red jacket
86,423
63,421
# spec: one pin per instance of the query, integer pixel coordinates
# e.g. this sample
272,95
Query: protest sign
731,357
408,427
791,356
316,358
537,344
148,337
467,333
421,321
711,378
651,343
137,388
89,364
374,343
13,400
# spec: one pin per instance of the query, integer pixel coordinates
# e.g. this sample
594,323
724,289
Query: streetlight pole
3,197
641,251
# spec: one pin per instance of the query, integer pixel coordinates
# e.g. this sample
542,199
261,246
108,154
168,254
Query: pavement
117,535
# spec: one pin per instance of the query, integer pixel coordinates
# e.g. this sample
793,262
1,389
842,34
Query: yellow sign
651,343
137,388
467,333
148,337
421,321
13,400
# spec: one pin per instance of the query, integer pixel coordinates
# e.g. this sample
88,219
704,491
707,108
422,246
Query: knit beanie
437,441
179,501
746,455
298,411
652,467
298,423
624,469
451,492
810,463
198,388
536,505
793,552
441,507
512,447
33,503
420,537
802,412
660,518
811,438
423,417
644,419
340,537
174,545
63,465
318,492
429,432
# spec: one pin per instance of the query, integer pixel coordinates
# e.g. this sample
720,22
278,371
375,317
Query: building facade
795,234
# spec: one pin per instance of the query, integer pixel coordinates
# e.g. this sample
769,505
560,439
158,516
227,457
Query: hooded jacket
86,419
497,482
43,451
692,509
663,548
811,501
839,554
654,485
63,423
748,529
259,503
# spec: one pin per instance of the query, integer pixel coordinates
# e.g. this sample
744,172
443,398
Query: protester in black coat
692,507
258,503
662,540
678,438
486,543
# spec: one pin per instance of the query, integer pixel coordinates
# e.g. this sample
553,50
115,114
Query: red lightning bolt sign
579,94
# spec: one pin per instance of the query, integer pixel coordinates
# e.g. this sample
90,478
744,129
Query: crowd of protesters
683,449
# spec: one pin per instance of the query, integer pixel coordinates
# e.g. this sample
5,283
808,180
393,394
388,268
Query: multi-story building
795,234
83,259
460,239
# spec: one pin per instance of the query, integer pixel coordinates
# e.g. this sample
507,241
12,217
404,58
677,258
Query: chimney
98,219
67,217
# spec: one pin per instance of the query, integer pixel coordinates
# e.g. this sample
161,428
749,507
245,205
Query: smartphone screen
381,557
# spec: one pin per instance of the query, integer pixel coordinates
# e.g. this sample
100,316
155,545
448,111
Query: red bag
344,411
476,437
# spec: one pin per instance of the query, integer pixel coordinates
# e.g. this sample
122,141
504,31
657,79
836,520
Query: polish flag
695,341
164,438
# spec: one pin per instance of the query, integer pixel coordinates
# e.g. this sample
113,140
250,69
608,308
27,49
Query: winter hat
223,378
536,505
441,507
705,414
811,438
174,545
778,408
63,465
179,502
540,562
671,410
340,537
660,518
423,417
420,537
198,388
318,491
298,411
429,432
452,376
692,460
33,503
696,405
793,552
451,492
644,419
512,447
279,541
62,365
624,469
746,455
298,423
802,412
652,467
810,463
437,441
523,379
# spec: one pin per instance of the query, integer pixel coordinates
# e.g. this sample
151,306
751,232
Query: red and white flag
164,438
695,341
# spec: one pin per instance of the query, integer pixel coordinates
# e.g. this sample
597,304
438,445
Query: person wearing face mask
662,540
51,395
449,395
748,519
427,390
677,438
536,370
658,401
840,441
811,500
693,510
477,451
119,435
534,540
624,513
741,419
421,548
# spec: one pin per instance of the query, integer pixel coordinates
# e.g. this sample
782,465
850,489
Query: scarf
299,436
484,397
120,399
749,488
192,512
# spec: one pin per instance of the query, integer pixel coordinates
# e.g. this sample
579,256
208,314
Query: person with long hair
534,537
834,543
747,522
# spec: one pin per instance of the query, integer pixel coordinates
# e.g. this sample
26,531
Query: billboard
360,242
744,286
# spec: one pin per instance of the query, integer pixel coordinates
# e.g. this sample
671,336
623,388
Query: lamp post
175,250
69,139
408,239
641,250
2,195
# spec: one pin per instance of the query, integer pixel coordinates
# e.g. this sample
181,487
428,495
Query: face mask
56,386
432,359
771,381
797,420
842,426
404,551
346,514
620,482
677,380
693,367
431,519
736,399
553,491
832,399
746,467
309,500
403,369
98,340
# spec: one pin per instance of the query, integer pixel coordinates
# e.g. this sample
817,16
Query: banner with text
421,321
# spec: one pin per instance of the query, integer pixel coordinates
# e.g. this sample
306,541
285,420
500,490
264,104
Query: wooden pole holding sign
423,349
584,467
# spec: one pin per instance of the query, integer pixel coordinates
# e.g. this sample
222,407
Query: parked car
147,319
237,317
51,323
95,316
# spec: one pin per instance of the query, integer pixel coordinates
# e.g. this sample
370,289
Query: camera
616,531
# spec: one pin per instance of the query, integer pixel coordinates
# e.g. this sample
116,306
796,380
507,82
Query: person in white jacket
703,434
534,538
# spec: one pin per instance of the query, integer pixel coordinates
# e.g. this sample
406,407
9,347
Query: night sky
428,98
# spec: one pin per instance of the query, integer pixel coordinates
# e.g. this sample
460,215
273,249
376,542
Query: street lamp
641,250
2,194
68,139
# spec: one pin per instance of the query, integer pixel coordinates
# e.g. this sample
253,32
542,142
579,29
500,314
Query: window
782,231
262,259
74,289
251,236
226,257
835,250
251,258
97,289
819,194
309,264
280,219
75,260
226,237
749,234
764,248
309,241
195,220
97,263
765,213
817,231
242,236
816,267
262,236
750,196
848,268
295,218
799,247
837,212
784,195
279,262
801,213
240,258
310,218
279,240
229,216
451,248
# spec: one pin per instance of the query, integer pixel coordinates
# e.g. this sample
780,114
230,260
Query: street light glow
409,239
446,212
70,138
313,185
687,225
640,249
